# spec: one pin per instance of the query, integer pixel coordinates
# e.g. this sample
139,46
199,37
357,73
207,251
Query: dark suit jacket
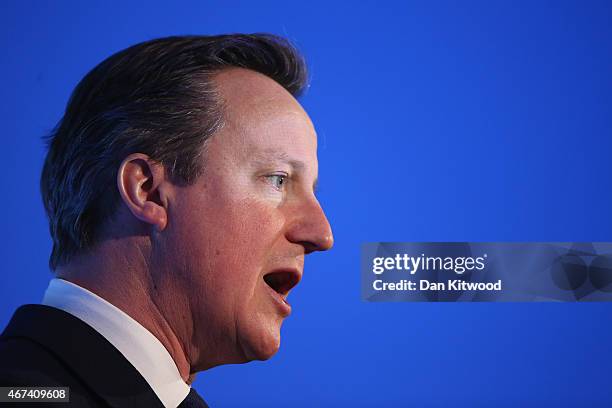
45,346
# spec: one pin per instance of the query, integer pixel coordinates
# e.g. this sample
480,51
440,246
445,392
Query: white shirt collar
139,346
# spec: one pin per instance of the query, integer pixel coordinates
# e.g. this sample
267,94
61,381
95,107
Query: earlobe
156,213
139,180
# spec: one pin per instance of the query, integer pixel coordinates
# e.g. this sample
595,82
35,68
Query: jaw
251,343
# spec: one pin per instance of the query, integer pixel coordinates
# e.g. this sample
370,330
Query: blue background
438,121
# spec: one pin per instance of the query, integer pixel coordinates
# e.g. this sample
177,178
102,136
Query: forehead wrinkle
267,155
260,121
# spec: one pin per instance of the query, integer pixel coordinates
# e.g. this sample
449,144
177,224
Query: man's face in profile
239,234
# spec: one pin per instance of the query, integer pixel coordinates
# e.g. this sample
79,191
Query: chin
262,345
267,352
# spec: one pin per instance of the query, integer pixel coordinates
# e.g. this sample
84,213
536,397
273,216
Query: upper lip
282,280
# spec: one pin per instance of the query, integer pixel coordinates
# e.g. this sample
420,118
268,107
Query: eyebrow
263,157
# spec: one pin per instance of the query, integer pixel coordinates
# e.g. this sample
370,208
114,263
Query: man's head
195,150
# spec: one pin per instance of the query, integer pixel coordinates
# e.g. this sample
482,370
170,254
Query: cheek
224,239
249,224
230,243
246,238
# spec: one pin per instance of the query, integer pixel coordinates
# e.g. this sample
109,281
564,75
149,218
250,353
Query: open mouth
282,281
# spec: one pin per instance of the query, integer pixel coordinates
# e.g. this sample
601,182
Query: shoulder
26,363
45,346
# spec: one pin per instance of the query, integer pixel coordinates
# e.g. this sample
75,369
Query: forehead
246,90
262,119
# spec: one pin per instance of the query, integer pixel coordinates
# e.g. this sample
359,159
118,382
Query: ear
139,179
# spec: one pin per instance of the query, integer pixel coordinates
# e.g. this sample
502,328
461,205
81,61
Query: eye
278,181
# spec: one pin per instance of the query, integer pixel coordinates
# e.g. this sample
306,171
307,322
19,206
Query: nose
311,228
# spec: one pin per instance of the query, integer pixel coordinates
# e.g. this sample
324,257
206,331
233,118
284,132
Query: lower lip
282,304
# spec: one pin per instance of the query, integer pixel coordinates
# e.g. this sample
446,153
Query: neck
118,271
